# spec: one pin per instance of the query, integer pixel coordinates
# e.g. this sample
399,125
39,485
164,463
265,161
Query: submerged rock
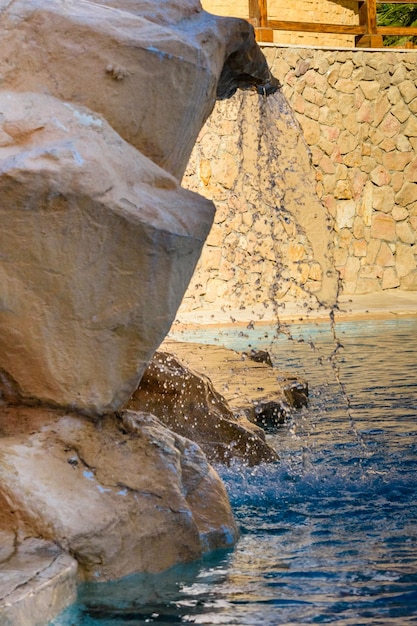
243,382
187,403
122,494
219,398
269,414
260,356
37,580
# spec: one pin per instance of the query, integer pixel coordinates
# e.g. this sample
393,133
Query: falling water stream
328,534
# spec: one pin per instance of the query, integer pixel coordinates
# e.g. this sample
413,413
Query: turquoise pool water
329,535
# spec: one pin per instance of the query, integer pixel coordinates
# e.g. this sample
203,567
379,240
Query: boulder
122,494
187,403
100,106
98,243
152,70
97,247
246,384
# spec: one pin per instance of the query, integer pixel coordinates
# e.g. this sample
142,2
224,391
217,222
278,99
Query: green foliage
397,15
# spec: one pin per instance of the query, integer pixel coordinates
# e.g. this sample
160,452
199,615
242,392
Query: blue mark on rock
77,157
102,489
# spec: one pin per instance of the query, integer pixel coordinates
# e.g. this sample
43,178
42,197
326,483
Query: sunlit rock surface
98,244
97,247
123,494
152,69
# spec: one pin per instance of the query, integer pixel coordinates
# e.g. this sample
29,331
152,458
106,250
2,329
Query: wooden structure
367,33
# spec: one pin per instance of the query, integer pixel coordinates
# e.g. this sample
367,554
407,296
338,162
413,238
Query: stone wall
357,113
325,11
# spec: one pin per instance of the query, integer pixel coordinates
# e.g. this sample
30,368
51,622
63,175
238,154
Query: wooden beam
369,41
367,32
402,31
264,34
312,27
258,13
263,12
371,16
363,15
254,12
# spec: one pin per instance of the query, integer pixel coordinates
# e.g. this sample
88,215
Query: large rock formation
152,70
100,105
98,243
97,246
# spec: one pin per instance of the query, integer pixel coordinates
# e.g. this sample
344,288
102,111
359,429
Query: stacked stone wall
357,111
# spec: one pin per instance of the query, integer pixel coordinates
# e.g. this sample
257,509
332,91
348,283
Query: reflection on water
328,534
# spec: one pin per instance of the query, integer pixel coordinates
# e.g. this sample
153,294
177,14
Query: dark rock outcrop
187,403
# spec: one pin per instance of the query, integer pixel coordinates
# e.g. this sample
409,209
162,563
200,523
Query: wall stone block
347,142
383,227
399,76
357,180
383,199
398,161
400,213
374,246
370,88
405,232
380,176
390,279
311,130
411,128
365,112
409,282
413,106
352,268
408,90
353,159
388,144
397,181
385,256
401,111
372,272
410,172
407,194
405,259
390,125
360,248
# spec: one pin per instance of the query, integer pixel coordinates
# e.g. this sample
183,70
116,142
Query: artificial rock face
100,106
98,243
151,69
122,495
97,246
